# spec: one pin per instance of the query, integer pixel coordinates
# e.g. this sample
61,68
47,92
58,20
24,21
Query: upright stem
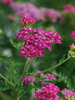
23,75
7,80
25,70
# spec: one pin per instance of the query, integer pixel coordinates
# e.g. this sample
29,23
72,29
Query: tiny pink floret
27,20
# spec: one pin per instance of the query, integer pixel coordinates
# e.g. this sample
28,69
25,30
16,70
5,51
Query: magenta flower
36,41
6,1
72,45
26,9
49,92
27,20
73,34
69,8
38,71
48,76
52,14
68,93
28,79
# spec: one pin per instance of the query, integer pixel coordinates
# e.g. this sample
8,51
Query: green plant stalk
25,70
56,65
7,80
52,67
70,97
23,75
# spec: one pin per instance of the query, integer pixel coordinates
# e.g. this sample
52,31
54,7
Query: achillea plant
27,9
36,40
39,85
6,1
69,8
48,92
52,14
68,94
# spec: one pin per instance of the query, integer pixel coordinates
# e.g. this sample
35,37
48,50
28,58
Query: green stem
23,75
52,67
57,65
7,80
25,70
70,97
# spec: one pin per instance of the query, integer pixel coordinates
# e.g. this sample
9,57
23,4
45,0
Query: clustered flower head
12,17
72,46
69,8
27,20
27,9
52,14
73,34
36,41
49,92
48,76
67,93
6,1
28,79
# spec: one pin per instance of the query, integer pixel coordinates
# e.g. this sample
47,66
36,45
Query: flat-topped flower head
67,93
27,20
53,14
69,8
48,76
36,41
49,92
28,79
73,34
27,9
6,1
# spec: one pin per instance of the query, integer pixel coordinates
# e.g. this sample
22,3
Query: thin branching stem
56,65
7,80
60,63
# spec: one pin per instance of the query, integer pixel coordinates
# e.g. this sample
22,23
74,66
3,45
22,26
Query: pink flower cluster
26,9
49,92
28,79
48,76
6,1
73,34
36,41
69,8
72,45
52,14
27,20
12,17
67,93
